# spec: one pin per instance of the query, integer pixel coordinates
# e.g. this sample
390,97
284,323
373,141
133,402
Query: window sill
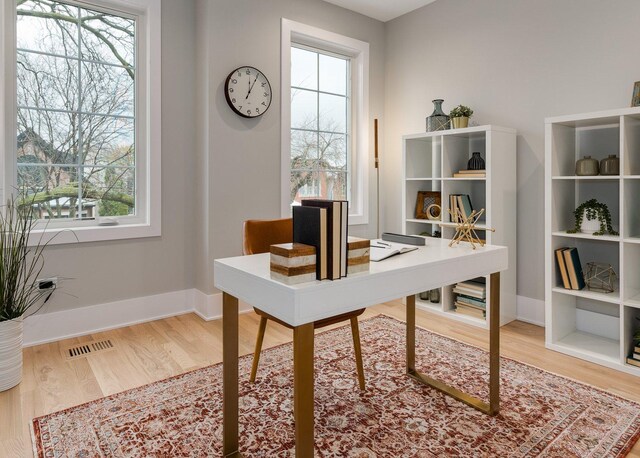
62,236
358,220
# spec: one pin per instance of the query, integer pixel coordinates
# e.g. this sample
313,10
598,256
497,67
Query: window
320,124
83,129
325,116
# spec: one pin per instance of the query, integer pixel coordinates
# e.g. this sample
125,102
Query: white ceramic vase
10,353
589,226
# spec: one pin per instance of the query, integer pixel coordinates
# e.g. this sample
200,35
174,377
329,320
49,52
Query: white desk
248,278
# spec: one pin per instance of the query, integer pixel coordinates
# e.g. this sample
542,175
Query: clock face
248,92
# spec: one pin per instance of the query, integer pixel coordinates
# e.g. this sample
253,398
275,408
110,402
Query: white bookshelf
429,161
596,327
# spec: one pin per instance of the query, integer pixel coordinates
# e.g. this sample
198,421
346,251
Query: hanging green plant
593,210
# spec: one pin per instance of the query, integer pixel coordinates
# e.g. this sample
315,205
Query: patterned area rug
542,414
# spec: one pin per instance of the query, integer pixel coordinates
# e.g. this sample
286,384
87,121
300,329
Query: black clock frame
228,97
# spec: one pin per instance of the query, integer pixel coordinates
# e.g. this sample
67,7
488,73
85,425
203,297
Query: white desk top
248,278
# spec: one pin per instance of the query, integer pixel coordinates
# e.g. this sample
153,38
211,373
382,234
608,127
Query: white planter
589,226
10,353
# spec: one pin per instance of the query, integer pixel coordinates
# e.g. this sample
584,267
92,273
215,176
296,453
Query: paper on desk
382,250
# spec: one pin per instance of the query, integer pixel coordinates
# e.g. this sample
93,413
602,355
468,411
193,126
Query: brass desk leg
303,389
229,376
494,345
494,355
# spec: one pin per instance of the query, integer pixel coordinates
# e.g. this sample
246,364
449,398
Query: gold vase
460,122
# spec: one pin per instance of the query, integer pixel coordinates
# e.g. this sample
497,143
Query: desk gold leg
494,355
230,375
411,334
303,389
494,344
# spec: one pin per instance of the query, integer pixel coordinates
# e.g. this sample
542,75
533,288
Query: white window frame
358,52
147,220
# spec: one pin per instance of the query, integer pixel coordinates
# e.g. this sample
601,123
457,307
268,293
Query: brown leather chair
258,236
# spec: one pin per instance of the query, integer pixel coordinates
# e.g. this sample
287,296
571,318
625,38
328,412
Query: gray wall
110,271
514,62
239,172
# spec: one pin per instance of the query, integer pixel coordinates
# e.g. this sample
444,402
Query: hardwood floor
152,351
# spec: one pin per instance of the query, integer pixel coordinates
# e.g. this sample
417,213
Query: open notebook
382,250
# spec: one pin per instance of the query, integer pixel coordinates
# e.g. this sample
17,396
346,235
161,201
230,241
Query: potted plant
460,116
20,267
592,217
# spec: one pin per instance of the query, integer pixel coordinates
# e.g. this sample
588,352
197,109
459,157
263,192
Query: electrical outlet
47,283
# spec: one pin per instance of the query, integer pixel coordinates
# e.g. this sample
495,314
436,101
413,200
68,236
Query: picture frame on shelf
635,98
428,204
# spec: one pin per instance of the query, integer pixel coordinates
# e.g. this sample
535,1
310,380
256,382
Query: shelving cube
591,325
429,161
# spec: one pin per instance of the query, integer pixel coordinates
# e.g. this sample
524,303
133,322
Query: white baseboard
530,310
209,306
50,327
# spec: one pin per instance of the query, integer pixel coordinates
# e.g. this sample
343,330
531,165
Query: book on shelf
562,268
470,293
472,284
470,174
334,226
574,268
472,301
633,361
636,349
461,203
464,309
473,306
310,228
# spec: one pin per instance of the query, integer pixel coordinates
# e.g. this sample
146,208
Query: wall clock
248,92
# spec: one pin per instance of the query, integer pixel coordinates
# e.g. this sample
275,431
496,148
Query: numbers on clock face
248,92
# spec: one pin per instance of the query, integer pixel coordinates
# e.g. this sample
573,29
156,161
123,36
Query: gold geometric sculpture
600,277
466,228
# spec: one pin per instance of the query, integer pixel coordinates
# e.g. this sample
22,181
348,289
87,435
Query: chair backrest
259,235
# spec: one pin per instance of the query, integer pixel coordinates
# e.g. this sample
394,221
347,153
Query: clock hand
251,88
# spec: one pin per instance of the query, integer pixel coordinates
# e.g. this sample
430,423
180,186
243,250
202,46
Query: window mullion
79,169
318,167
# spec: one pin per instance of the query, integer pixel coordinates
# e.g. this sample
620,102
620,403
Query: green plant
461,111
636,336
20,264
593,210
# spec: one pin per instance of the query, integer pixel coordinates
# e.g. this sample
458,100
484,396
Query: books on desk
324,225
381,250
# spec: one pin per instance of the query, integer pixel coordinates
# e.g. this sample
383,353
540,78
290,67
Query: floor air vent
80,351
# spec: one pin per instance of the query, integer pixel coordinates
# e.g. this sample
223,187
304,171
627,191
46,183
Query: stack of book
470,298
569,267
470,174
323,224
460,202
634,359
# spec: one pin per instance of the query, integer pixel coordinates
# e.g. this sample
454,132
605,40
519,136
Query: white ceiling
382,10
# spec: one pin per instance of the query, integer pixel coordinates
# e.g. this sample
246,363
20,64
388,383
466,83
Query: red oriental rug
542,415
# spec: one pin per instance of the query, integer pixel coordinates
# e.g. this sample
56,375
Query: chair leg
356,346
256,354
